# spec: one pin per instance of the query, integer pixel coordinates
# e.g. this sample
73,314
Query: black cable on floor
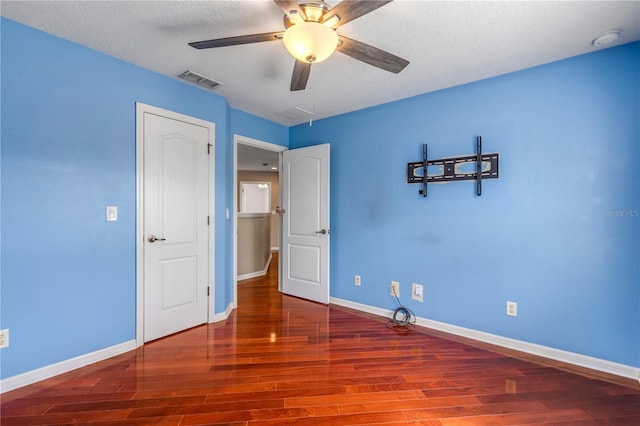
403,319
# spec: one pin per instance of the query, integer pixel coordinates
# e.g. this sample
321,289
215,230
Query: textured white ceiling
447,43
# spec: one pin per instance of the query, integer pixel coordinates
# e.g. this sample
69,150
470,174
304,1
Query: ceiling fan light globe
310,42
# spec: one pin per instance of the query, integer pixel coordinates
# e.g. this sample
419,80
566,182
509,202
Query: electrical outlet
4,338
512,309
395,288
356,280
416,292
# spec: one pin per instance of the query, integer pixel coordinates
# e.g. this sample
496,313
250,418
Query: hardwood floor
280,360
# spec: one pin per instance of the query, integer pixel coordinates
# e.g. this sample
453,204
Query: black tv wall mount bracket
454,168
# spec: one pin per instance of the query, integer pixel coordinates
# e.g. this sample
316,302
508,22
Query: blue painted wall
558,233
68,151
249,125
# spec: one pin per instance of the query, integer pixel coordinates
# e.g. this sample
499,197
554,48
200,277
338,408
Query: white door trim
141,109
244,140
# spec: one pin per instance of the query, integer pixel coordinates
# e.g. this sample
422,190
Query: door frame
244,140
141,109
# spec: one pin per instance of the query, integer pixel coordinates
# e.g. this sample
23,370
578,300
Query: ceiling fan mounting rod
314,11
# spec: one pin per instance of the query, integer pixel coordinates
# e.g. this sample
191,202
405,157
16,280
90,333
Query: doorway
257,161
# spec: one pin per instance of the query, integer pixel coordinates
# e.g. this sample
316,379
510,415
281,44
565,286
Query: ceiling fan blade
288,5
301,71
371,55
233,41
348,10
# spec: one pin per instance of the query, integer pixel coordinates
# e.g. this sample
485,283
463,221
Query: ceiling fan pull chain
313,99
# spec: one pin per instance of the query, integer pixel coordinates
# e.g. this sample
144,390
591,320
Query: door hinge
208,290
208,220
209,148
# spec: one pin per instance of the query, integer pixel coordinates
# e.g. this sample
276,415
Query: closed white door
305,223
176,200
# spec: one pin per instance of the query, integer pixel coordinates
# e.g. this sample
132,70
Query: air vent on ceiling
295,113
200,80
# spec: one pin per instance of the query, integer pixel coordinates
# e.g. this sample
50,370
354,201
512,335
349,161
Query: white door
176,200
305,223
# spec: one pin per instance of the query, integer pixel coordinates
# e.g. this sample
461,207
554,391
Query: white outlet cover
395,284
4,338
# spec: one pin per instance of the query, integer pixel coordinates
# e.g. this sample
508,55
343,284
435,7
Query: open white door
305,223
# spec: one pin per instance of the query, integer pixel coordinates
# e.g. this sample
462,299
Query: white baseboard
222,315
360,307
275,248
261,273
597,364
49,371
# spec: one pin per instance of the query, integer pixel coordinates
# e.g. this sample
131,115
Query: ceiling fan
310,36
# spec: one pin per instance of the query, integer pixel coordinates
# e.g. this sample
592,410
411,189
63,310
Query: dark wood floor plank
564,417
476,410
25,410
156,421
282,360
377,397
66,418
407,405
283,415
286,393
135,404
218,408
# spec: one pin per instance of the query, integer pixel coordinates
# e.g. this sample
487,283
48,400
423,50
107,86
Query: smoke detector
606,37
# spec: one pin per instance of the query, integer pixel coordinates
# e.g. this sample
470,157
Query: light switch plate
416,292
112,213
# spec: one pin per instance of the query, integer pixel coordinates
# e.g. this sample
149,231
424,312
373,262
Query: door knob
322,231
153,239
